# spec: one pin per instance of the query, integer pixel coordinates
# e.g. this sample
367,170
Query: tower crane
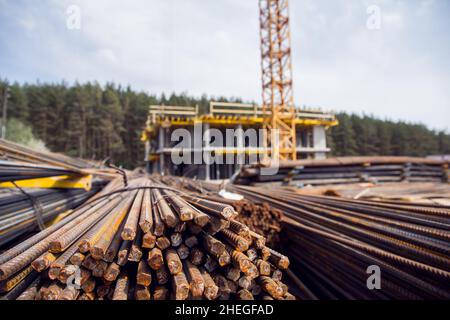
277,94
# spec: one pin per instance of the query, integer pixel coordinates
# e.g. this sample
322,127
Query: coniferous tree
95,122
17,103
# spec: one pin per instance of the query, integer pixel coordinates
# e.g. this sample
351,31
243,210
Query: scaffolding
310,129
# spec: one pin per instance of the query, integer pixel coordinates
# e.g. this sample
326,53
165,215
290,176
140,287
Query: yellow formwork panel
150,131
247,121
59,182
144,136
316,122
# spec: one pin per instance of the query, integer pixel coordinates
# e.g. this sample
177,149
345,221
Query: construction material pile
262,219
16,171
426,193
35,187
145,241
15,152
258,217
20,160
332,242
24,212
348,170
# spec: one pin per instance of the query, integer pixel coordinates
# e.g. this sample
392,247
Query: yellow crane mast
278,100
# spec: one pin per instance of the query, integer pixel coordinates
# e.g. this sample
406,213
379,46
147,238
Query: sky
399,70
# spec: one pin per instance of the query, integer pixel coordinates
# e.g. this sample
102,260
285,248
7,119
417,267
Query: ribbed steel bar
149,241
347,170
331,239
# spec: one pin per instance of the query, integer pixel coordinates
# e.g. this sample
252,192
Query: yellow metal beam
150,132
316,122
59,182
153,157
247,121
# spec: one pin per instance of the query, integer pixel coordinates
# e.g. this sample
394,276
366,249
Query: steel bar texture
15,171
333,241
36,187
347,170
147,241
32,160
18,215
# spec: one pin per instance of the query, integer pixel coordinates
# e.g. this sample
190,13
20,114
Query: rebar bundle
348,170
15,171
332,242
36,186
15,152
259,217
18,161
145,241
21,213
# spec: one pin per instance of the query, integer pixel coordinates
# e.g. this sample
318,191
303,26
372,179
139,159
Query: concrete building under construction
284,132
162,142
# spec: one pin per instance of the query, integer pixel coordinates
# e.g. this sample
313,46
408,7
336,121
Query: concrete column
320,142
161,146
240,143
147,157
207,138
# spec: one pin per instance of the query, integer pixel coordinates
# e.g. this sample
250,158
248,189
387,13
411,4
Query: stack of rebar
16,171
16,152
29,182
23,212
145,241
348,170
336,243
259,217
23,158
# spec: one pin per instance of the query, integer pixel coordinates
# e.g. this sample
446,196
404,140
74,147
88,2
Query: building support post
207,142
148,165
320,142
240,157
161,147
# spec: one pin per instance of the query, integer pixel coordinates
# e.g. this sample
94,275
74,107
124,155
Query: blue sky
400,71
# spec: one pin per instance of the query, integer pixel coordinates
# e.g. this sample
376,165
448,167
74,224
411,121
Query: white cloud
425,7
108,56
392,20
204,46
27,24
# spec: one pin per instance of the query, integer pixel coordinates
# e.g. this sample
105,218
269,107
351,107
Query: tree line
88,120
368,136
95,122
